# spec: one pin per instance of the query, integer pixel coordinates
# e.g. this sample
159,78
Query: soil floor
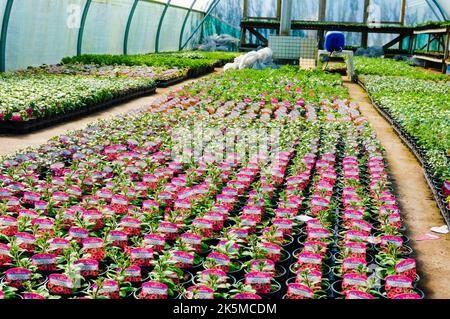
419,209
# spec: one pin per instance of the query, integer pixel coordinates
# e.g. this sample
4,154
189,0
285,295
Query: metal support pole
278,10
127,30
4,34
183,27
322,17
161,21
286,18
364,35
243,29
82,24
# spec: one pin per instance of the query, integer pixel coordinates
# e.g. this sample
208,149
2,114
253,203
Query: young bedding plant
281,192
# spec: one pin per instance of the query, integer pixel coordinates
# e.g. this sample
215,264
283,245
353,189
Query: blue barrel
334,41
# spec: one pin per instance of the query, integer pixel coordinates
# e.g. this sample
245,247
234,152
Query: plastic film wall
44,31
417,11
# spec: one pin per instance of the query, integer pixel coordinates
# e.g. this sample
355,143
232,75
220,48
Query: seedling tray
10,127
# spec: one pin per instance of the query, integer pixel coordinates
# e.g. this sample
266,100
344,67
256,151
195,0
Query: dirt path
12,143
416,201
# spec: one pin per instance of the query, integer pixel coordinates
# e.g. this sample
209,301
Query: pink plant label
394,218
154,288
78,233
315,246
283,223
394,240
362,225
353,214
227,199
318,233
20,274
25,238
300,290
44,259
355,248
239,232
117,236
87,265
252,210
355,280
220,259
142,253
353,263
150,204
109,286
398,282
61,281
191,239
183,204
153,239
257,278
119,200
310,258
214,216
92,243
130,222
8,221
43,223
203,223
200,292
408,296
4,250
59,243
356,235
166,227
183,257
405,265
133,271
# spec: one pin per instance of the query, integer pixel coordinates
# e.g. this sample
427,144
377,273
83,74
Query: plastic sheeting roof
200,5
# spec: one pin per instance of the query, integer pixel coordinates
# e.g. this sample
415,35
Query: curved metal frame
211,8
183,27
82,24
4,34
127,30
441,11
161,20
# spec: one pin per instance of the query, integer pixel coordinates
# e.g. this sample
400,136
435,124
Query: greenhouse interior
224,149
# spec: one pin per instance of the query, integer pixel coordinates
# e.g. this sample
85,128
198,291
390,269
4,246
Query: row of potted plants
27,96
116,211
152,73
391,67
196,63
